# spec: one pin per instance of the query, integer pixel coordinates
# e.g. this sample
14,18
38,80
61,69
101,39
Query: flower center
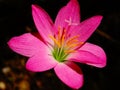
64,44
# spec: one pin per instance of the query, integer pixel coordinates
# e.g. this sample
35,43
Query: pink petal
90,54
86,28
42,61
26,44
70,11
42,21
70,74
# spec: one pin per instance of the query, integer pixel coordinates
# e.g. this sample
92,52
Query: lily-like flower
63,43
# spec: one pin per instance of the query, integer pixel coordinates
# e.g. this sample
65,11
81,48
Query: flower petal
26,44
42,61
86,28
42,21
70,74
90,54
71,14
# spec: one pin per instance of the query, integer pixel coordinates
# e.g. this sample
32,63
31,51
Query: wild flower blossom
62,44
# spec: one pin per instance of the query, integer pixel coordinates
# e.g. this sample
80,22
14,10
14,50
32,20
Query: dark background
16,19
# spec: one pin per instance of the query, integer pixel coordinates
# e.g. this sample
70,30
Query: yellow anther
55,41
75,45
69,44
73,39
63,37
69,51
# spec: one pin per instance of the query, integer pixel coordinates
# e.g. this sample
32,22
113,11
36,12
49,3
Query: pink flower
62,44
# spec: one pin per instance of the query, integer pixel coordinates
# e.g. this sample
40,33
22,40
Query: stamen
55,41
73,41
75,45
63,37
74,38
64,44
69,51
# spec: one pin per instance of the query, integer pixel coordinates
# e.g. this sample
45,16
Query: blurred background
16,19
